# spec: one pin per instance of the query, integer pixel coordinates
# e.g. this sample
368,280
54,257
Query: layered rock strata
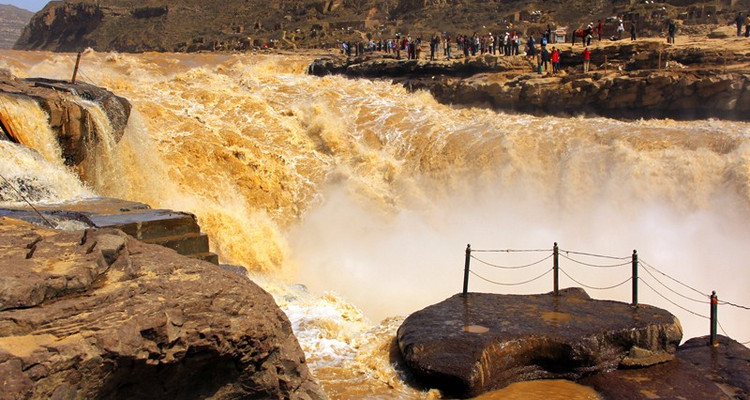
642,94
97,314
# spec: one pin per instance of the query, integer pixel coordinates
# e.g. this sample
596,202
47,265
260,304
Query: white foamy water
368,195
29,176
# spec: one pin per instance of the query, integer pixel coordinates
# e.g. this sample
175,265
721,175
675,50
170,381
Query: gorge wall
12,22
240,25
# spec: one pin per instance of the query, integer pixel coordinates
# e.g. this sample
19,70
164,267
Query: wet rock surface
699,371
69,117
97,314
677,379
466,346
388,66
727,364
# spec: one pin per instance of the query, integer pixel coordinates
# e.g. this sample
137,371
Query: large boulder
727,364
68,106
98,314
699,371
468,345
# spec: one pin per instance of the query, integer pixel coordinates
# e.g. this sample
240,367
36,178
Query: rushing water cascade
368,194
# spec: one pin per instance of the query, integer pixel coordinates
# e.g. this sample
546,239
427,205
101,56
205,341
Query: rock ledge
96,314
466,346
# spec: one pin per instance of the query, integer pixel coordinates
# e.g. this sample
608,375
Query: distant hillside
12,21
198,25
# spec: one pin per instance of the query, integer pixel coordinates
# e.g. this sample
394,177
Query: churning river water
352,201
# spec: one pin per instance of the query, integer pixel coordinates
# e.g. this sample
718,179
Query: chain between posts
635,262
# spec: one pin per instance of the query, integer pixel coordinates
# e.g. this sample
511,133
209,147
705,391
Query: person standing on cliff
600,29
555,60
530,49
397,46
739,20
747,25
620,30
632,30
586,60
672,28
434,43
447,45
546,58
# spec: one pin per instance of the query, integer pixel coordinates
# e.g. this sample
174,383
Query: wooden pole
75,70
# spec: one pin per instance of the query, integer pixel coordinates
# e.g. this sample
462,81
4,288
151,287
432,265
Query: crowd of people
509,44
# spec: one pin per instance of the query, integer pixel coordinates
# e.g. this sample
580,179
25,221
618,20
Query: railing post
466,270
75,70
555,268
714,319
635,278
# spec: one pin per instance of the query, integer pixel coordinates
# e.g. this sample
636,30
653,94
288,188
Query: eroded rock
106,316
466,346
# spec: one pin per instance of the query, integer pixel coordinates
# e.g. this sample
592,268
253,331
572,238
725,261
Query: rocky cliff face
12,22
97,314
628,79
189,25
646,94
68,117
211,25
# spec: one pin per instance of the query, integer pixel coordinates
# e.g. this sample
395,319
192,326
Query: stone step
173,229
148,224
187,244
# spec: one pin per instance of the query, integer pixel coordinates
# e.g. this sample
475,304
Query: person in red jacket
586,59
555,60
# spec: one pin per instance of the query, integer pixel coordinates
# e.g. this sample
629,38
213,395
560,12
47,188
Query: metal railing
607,262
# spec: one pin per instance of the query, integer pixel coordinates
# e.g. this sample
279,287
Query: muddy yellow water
352,201
543,390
